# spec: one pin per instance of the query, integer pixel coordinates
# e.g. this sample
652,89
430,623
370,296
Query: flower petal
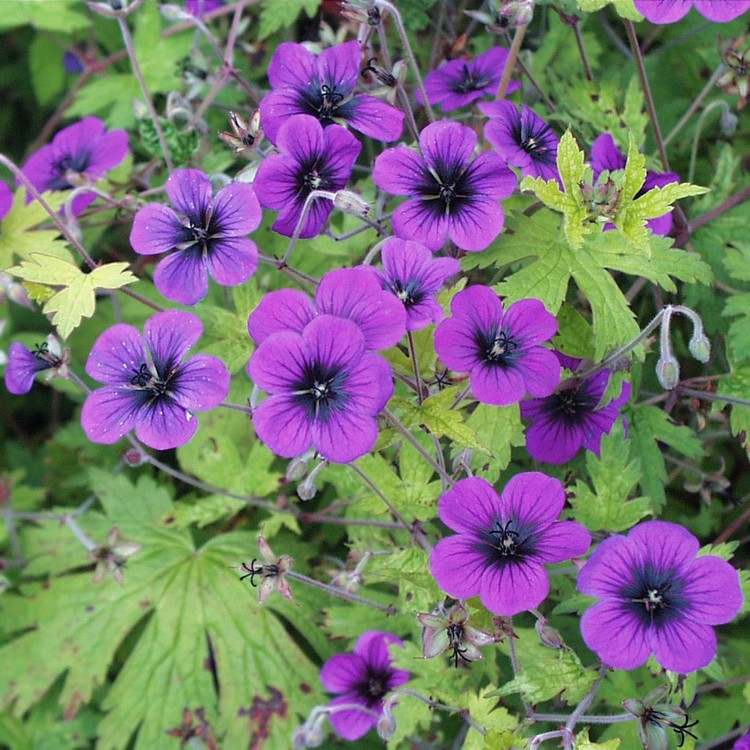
471,505
605,154
399,171
157,229
529,322
232,260
201,383
236,210
562,541
476,223
282,424
457,566
550,440
276,182
343,672
285,309
514,587
351,724
116,355
164,424
721,11
278,364
338,66
109,413
169,335
292,65
712,588
416,220
375,118
616,635
333,341
456,345
541,371
277,107
183,276
21,369
190,192
682,645
608,568
498,385
445,143
344,436
534,498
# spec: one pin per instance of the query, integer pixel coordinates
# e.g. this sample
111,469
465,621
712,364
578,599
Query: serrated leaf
614,475
624,8
498,430
66,17
77,298
737,384
275,15
584,743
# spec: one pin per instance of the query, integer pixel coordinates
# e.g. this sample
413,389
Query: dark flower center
654,596
46,358
469,82
326,102
535,140
329,101
374,685
507,542
71,163
496,347
409,293
447,186
148,380
571,403
313,174
320,390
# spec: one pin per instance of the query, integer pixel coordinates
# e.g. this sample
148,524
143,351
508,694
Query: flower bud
134,457
140,109
386,726
307,490
728,122
351,203
668,373
297,468
548,635
700,346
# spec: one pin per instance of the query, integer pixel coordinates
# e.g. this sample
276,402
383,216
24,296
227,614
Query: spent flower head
449,629
271,569
655,716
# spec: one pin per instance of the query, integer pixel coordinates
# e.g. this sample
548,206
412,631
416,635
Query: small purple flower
451,195
323,87
86,149
656,597
325,390
458,83
6,199
522,138
311,158
503,542
199,7
670,11
415,276
148,383
207,235
362,678
606,155
23,364
72,62
572,417
352,293
500,349
743,743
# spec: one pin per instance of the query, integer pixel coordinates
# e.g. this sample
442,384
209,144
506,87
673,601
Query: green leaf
276,15
77,298
614,475
547,673
483,709
18,238
648,426
575,337
737,384
192,599
47,72
111,96
584,743
498,430
65,16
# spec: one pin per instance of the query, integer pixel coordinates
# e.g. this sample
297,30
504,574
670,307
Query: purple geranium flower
743,743
206,234
606,155
199,7
352,293
452,195
148,384
6,199
325,390
656,597
86,149
23,364
311,158
572,417
323,87
362,678
415,276
522,138
500,349
504,542
457,83
669,11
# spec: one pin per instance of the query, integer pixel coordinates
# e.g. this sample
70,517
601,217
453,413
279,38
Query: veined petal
190,192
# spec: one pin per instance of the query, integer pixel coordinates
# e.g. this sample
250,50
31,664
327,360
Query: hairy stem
340,593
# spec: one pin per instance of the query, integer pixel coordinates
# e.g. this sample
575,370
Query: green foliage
614,475
68,15
182,144
279,15
624,8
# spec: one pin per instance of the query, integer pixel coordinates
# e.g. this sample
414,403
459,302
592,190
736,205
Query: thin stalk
510,63
340,593
294,273
586,701
544,736
550,104
583,719
415,364
641,67
79,533
515,665
724,739
716,104
706,396
312,196
696,103
582,50
722,208
134,64
391,509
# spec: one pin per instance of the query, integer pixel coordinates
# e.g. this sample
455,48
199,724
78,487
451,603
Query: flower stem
583,718
79,533
580,709
706,396
134,64
722,208
443,707
415,364
510,63
716,104
312,196
389,609
535,742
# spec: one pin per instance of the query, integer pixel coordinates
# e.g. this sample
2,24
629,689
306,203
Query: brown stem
722,208
510,63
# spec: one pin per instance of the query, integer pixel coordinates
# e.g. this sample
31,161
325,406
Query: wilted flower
110,558
450,630
656,716
736,77
24,364
271,570
245,135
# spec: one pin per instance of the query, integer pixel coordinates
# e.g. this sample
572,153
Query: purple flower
361,678
415,276
148,383
500,349
72,62
457,83
86,149
669,11
743,743
311,158
325,390
323,87
656,596
206,234
522,138
199,7
504,542
23,364
572,417
451,195
606,155
352,293
6,199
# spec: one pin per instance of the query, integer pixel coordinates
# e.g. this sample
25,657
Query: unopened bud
547,634
178,110
728,122
386,726
668,373
700,347
517,13
297,468
140,109
351,203
307,490
134,457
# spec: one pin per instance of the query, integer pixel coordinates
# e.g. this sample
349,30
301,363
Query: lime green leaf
47,74
614,475
547,673
575,337
737,383
77,298
275,15
17,235
584,743
483,709
724,550
498,429
624,8
66,17
635,172
649,426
